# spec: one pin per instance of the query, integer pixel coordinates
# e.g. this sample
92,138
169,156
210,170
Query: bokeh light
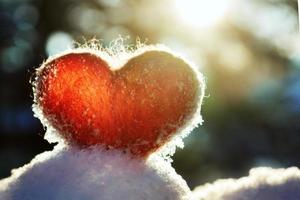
58,42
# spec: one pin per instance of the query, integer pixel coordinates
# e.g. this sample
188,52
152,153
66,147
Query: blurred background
248,51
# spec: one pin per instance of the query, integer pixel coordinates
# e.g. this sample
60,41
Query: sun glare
201,13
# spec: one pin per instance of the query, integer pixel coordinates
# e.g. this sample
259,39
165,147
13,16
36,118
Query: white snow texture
262,184
69,173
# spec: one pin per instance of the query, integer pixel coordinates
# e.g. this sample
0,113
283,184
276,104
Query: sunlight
201,13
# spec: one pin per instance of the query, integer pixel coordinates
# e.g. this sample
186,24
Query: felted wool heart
136,108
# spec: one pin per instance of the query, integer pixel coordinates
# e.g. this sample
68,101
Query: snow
262,184
93,173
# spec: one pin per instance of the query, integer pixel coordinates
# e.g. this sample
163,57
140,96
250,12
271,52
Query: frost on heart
137,105
115,116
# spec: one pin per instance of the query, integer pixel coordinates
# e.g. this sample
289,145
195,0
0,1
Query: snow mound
262,184
93,173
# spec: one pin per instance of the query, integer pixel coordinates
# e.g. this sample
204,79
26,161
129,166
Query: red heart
137,108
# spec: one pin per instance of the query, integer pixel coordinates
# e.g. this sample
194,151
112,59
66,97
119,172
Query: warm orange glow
137,108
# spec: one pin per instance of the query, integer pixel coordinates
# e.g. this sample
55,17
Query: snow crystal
70,173
262,184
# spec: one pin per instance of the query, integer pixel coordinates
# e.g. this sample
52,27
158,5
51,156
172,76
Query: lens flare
201,13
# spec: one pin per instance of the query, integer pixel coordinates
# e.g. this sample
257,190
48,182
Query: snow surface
262,184
69,173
